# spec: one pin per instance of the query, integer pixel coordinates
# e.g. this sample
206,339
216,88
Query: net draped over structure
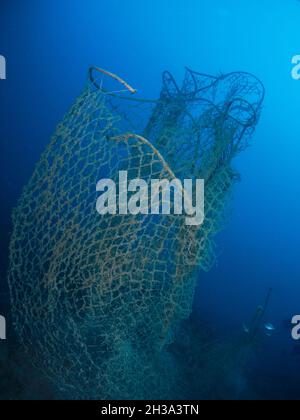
95,299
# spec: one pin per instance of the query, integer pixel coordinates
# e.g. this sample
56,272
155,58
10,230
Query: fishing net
96,298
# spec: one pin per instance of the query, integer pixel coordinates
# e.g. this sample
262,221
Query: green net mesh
95,299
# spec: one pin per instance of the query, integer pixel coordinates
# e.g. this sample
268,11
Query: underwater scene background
236,342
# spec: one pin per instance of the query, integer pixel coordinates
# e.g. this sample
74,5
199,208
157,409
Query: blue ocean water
49,46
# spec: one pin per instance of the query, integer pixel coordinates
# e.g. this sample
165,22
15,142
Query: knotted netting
96,298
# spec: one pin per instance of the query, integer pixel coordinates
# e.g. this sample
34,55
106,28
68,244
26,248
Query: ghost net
96,299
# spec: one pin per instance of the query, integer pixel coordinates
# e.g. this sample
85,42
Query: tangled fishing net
96,299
